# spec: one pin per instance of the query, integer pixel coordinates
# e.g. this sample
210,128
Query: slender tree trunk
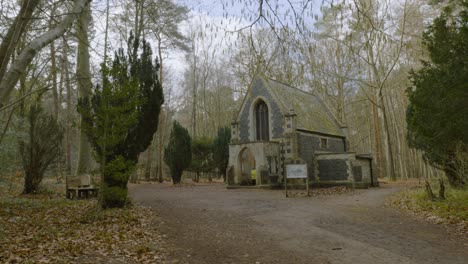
149,160
162,121
68,128
53,70
391,162
53,73
84,84
378,146
194,95
56,98
393,122
5,128
106,32
160,57
55,92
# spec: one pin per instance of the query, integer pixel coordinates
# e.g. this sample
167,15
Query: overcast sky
210,15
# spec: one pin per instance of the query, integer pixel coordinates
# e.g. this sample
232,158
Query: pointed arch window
261,121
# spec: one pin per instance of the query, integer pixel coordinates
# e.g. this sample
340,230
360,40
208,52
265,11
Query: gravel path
209,224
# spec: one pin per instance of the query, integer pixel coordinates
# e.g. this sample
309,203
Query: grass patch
452,210
454,206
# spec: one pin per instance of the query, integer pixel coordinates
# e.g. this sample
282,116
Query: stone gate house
278,125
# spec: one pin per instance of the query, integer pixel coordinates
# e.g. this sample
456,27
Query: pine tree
221,150
437,114
122,116
178,153
202,156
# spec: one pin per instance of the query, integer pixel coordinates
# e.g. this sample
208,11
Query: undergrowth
455,204
452,210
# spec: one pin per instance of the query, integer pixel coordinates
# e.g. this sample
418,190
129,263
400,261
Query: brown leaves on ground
414,202
45,229
337,190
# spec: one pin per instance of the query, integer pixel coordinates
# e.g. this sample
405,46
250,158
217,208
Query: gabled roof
312,114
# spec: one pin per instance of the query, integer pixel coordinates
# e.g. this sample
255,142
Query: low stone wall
342,168
362,170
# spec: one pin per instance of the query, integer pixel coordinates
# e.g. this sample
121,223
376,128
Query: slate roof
312,113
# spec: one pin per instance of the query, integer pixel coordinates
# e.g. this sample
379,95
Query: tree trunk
149,160
8,83
30,182
106,34
84,84
68,127
5,129
441,189
378,145
194,94
53,73
53,68
429,192
390,161
451,172
161,146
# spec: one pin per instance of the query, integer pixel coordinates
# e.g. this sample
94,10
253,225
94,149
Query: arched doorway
246,165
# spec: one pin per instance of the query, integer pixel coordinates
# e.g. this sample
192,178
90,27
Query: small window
323,143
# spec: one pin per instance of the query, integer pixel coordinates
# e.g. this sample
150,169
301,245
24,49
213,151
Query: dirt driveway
209,224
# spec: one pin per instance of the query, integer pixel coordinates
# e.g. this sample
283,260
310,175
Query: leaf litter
51,229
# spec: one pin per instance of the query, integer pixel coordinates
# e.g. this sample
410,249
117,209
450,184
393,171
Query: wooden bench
79,187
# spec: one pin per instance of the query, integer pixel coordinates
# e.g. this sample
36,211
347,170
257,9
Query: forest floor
205,223
451,212
47,228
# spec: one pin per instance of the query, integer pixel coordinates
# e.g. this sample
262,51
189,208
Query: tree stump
441,189
429,191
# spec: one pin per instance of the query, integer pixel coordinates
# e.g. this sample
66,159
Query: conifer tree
121,117
178,153
437,114
202,156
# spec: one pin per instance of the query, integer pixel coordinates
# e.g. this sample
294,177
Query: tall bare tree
83,78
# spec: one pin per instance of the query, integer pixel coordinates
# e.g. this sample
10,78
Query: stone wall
365,165
335,167
244,122
309,145
343,167
333,170
336,145
258,91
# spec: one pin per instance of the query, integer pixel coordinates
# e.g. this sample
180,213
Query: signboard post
296,171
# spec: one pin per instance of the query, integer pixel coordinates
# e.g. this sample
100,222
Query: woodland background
356,55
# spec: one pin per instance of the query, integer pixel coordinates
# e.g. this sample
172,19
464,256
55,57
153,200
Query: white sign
296,171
